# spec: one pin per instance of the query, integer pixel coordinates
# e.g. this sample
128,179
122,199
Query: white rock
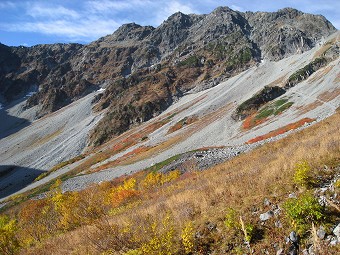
321,233
292,195
336,231
266,216
279,252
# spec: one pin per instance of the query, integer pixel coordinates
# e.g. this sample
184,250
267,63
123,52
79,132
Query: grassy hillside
217,211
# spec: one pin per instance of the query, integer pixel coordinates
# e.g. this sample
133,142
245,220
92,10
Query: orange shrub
251,122
183,122
37,220
119,197
123,193
282,130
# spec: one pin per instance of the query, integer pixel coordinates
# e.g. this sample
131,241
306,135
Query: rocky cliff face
144,68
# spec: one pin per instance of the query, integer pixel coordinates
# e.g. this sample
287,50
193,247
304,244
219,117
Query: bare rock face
145,68
287,31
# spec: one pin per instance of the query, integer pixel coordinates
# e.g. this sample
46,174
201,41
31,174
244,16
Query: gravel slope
225,131
44,143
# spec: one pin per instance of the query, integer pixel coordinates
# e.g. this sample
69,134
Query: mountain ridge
203,44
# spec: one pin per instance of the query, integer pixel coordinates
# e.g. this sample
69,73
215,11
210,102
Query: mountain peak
289,12
179,18
129,26
222,9
128,32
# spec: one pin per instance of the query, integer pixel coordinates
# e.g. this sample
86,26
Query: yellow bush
162,238
133,252
337,184
302,176
156,179
67,205
172,175
129,184
187,237
8,241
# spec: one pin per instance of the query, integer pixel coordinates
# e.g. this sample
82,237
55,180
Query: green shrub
231,219
303,174
262,97
192,61
280,102
303,211
250,231
283,107
264,113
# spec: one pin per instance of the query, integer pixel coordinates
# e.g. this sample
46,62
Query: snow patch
100,90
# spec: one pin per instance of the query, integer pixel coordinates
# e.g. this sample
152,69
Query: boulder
266,216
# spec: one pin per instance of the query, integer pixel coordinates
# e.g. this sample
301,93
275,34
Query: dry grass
337,78
320,74
240,183
46,138
329,95
324,48
278,82
309,107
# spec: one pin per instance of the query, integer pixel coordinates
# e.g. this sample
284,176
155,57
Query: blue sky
30,22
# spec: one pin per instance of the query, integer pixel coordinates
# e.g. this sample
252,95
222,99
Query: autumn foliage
60,212
251,122
282,130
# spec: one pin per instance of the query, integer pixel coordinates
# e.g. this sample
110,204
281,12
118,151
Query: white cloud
89,29
41,11
170,7
175,6
60,21
94,18
237,8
